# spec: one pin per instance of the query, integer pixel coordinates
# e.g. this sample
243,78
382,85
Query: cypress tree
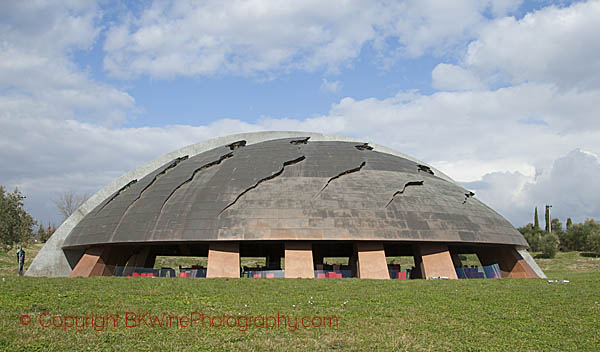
536,221
569,223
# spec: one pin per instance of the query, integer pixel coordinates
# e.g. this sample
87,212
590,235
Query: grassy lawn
500,315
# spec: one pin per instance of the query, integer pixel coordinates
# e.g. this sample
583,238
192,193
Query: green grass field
474,315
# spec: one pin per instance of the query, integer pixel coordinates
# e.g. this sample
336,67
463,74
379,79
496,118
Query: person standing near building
21,260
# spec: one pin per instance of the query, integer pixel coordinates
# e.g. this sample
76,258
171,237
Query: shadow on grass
589,255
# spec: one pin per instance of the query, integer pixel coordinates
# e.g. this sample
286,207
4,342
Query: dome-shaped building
293,195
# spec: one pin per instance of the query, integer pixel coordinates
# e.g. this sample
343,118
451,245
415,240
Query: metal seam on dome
173,164
203,167
286,163
121,190
356,169
410,183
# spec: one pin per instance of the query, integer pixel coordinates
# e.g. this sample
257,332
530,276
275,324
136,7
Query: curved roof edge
52,261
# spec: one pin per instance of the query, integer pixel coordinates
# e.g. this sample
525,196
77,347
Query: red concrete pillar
90,264
100,261
434,260
299,260
223,260
371,263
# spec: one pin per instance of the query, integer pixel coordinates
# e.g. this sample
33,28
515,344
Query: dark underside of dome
292,189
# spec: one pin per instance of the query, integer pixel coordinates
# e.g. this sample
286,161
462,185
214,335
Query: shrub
549,245
593,242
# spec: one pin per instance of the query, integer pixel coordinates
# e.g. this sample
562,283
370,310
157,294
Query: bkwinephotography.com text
195,320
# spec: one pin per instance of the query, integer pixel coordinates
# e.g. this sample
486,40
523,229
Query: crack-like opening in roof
424,168
121,190
468,195
270,177
356,169
236,145
364,146
191,178
300,141
407,184
171,166
167,169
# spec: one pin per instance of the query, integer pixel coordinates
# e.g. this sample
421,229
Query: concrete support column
99,261
317,256
434,260
273,262
371,263
508,259
117,256
223,260
353,262
138,260
90,264
150,260
299,260
456,259
273,258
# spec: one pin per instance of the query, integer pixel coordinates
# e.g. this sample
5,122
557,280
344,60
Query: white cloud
503,7
467,170
188,38
553,45
504,192
451,77
419,26
331,87
37,77
571,186
482,125
48,27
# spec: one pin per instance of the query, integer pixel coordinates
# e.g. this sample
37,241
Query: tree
576,237
49,232
593,243
532,235
16,225
569,223
41,234
592,233
549,245
557,229
44,233
536,221
69,201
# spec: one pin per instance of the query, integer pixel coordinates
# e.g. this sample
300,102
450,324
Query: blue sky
296,94
501,95
194,100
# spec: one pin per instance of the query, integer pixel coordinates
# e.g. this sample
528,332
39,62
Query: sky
503,96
